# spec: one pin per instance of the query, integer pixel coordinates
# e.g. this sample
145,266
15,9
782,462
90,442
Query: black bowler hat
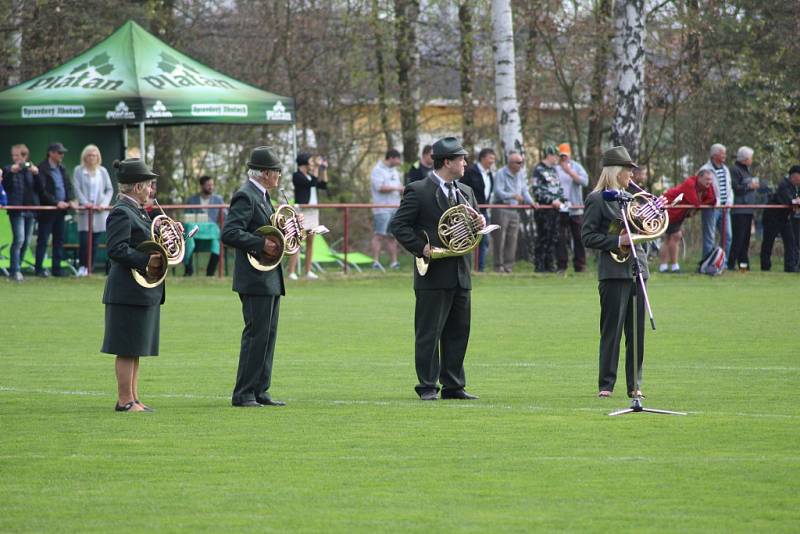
618,157
56,147
303,158
447,147
262,158
133,171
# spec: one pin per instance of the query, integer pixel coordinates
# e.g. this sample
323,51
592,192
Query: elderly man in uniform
259,291
442,315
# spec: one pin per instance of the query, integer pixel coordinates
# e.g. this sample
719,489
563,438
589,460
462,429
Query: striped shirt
722,183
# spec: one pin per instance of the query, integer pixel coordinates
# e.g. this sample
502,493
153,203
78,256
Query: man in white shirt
386,187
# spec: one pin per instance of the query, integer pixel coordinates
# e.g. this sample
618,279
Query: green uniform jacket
127,226
597,216
423,204
249,211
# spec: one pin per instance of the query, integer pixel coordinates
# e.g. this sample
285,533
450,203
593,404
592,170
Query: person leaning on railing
779,221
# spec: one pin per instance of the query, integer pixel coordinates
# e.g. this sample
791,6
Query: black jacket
20,187
46,185
302,186
417,172
474,179
783,195
420,210
247,213
741,178
127,226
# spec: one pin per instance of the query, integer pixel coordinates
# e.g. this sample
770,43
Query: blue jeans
22,229
712,222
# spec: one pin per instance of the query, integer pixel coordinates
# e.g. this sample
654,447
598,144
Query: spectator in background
573,179
386,188
795,222
206,197
697,191
54,189
305,192
93,189
745,187
3,195
510,189
779,221
480,178
19,180
420,169
639,177
714,220
547,190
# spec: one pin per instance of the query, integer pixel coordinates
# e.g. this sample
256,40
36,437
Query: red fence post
221,262
90,244
346,244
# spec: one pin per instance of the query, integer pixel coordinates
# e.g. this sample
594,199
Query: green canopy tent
133,78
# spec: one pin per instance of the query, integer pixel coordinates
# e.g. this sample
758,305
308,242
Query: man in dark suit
480,178
442,314
259,291
779,221
54,189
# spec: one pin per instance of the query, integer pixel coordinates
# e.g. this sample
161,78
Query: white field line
592,365
480,405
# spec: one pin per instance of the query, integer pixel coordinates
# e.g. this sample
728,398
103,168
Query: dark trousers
616,315
504,239
796,233
740,245
84,247
50,223
441,328
773,226
569,229
483,248
254,375
546,239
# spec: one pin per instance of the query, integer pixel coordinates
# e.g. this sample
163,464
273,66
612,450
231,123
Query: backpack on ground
714,263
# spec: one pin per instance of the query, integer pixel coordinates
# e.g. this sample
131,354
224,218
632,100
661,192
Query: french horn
647,218
167,240
285,230
460,229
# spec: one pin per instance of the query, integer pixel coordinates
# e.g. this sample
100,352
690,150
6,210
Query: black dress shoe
264,401
124,407
428,395
246,404
458,394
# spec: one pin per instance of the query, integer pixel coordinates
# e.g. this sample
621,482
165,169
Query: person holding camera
305,192
19,181
259,291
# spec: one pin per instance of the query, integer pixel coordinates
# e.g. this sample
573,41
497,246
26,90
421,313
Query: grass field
354,450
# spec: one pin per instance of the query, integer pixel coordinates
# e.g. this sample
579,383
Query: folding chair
354,259
322,254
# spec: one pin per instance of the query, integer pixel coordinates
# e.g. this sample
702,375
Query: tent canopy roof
133,77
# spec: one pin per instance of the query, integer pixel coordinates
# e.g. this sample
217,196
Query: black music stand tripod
638,284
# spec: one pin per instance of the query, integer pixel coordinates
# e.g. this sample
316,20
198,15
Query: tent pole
294,141
142,147
124,141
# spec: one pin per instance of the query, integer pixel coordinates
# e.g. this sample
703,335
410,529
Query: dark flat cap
262,158
618,157
447,147
133,171
56,147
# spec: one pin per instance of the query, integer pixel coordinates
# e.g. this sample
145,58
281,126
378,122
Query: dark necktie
451,194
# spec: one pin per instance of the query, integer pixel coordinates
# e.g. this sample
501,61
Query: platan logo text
121,112
90,75
159,111
279,113
46,112
175,73
219,110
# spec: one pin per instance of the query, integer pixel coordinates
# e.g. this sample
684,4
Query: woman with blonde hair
94,190
616,279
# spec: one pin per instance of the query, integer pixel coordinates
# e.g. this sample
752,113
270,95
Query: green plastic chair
354,259
322,254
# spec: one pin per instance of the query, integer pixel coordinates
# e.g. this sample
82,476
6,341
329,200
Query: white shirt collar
259,186
133,200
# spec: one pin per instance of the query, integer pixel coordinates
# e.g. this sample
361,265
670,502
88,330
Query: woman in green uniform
616,279
132,311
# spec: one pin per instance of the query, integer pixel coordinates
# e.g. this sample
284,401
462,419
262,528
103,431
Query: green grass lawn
355,450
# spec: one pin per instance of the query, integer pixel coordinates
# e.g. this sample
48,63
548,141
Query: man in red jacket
697,191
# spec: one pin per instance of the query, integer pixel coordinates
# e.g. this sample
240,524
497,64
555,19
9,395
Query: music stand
638,282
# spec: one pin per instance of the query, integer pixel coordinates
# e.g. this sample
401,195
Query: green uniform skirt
132,330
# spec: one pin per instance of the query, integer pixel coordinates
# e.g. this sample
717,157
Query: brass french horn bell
166,238
647,218
460,230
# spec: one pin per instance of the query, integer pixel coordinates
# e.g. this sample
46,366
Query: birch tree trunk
505,82
380,38
629,26
406,17
467,106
